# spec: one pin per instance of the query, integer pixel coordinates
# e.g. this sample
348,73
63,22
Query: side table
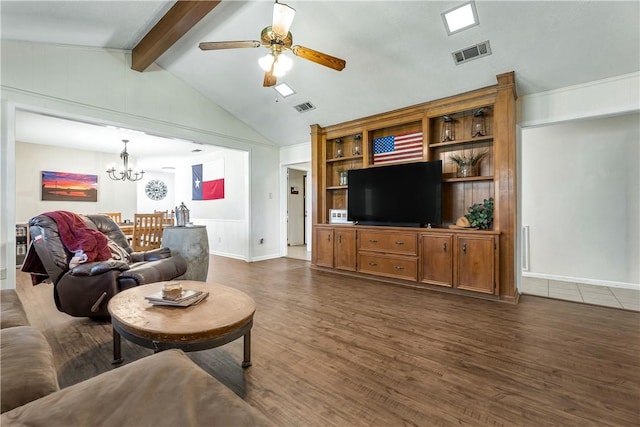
192,243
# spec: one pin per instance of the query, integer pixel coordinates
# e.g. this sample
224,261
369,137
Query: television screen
408,194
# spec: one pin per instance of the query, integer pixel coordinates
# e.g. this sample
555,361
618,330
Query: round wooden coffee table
224,316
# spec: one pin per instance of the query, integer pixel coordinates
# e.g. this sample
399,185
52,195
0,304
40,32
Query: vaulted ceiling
398,53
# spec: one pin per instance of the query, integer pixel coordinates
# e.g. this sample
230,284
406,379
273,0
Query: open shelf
461,141
471,178
345,158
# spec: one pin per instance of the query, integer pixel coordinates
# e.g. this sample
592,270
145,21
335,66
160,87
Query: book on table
188,297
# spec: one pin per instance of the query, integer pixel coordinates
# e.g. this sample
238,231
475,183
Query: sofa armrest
152,271
97,268
164,389
12,310
151,255
28,372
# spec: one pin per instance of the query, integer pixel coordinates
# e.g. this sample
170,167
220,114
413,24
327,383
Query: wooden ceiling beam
174,24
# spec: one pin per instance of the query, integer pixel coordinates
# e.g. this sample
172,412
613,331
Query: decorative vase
182,215
467,171
343,177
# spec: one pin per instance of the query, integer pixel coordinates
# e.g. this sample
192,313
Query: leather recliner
85,289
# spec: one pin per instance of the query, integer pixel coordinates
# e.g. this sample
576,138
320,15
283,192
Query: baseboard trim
265,257
586,281
228,255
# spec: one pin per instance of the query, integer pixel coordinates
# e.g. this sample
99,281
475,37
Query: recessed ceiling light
460,18
284,90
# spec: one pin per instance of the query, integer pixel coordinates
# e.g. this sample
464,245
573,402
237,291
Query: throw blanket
77,236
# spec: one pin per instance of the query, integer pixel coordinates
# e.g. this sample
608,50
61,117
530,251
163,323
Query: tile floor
299,252
579,292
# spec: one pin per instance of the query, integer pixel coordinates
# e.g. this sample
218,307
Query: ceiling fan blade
282,18
229,45
319,57
269,79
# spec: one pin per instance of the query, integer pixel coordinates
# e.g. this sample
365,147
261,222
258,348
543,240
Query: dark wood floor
336,351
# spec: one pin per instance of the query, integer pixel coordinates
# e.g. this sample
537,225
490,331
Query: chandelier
126,173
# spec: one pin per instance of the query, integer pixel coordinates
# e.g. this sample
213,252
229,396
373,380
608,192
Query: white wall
580,191
227,219
98,86
542,117
146,205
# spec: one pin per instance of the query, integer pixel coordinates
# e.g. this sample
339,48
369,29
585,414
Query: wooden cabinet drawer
398,267
396,243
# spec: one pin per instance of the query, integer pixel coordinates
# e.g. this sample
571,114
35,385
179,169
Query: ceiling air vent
473,52
305,106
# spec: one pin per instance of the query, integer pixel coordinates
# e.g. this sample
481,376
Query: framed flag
397,148
69,187
207,181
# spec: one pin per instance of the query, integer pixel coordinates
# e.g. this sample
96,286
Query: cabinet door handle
373,264
464,248
373,241
399,242
328,237
339,238
444,247
398,267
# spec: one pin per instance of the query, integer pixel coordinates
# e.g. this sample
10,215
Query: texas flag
208,180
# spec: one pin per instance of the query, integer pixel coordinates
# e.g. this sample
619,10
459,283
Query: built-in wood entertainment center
472,262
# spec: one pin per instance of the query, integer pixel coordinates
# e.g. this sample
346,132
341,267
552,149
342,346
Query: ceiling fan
277,39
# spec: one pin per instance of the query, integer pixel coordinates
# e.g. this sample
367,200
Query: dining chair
168,219
147,231
115,216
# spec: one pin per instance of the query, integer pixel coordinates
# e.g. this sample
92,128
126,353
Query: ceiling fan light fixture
282,18
266,61
281,65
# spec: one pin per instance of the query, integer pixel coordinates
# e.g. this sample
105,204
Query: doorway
297,215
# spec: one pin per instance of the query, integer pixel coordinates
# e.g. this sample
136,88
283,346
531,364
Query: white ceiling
151,152
397,53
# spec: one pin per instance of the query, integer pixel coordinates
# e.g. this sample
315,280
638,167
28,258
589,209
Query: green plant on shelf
468,163
481,215
468,159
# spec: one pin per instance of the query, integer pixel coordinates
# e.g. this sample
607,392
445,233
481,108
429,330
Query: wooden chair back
168,219
147,231
115,216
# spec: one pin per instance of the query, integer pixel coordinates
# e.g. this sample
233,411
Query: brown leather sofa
85,289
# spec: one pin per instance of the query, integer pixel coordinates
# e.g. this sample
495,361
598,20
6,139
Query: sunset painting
69,187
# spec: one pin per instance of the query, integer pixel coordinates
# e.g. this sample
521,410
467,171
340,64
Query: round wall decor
156,189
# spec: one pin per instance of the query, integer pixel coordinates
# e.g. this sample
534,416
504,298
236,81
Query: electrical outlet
219,239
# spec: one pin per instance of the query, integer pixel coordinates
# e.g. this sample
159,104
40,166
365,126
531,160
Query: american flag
400,148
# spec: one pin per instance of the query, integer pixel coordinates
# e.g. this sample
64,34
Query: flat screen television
408,194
